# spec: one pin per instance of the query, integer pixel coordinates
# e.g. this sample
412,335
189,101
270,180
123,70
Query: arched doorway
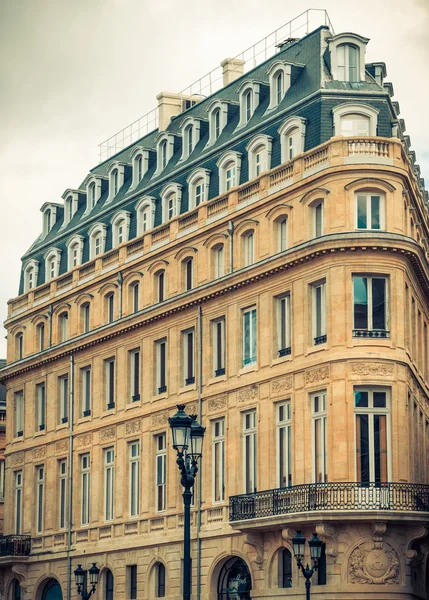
234,581
52,591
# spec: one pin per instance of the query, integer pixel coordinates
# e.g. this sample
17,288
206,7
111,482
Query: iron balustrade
371,333
321,339
330,496
15,545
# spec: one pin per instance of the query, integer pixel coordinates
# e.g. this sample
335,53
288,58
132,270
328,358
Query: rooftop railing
341,496
213,81
15,545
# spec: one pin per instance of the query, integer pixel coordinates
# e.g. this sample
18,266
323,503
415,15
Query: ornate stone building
261,257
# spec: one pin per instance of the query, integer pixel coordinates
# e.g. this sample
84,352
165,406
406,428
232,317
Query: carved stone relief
217,403
256,541
108,434
317,375
17,458
371,564
372,368
133,427
249,393
61,446
39,452
83,440
280,386
159,419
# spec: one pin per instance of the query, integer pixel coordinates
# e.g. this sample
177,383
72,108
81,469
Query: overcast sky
72,73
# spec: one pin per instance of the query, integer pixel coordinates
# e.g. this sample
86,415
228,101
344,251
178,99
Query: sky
74,73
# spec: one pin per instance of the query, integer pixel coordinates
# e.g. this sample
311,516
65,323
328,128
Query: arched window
163,154
63,327
140,164
218,261
229,171
97,239
285,568
218,118
115,181
145,209
94,187
16,590
139,167
116,173
160,580
355,120
347,52
91,194
249,248
248,105
279,74
120,227
321,567
292,138
71,204
216,123
109,585
348,63
31,272
68,208
110,307
19,346
249,100
75,251
282,227
52,591
198,181
52,264
85,313
188,271
171,200
259,155
134,296
160,285
40,337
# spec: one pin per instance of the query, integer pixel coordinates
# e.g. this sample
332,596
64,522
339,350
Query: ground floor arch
52,590
234,581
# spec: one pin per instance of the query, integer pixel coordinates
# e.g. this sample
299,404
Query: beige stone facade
370,552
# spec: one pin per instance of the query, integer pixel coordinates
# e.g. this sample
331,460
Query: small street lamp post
187,433
81,581
298,543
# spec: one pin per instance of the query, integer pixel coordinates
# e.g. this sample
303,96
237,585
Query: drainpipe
70,478
120,282
231,245
200,402
51,312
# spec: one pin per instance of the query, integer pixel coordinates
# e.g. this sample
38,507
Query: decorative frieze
133,427
369,564
39,453
317,375
372,368
61,447
17,459
281,386
160,419
106,435
218,403
249,393
83,440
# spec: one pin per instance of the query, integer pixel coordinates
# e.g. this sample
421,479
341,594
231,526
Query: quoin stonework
260,256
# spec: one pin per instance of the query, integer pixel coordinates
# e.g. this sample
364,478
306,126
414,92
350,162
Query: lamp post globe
197,438
298,544
94,572
315,547
180,425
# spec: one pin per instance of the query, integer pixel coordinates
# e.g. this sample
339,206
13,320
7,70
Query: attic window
218,118
140,164
190,136
164,151
279,74
52,264
249,100
347,51
348,63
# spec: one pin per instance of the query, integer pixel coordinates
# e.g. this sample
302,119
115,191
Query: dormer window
97,239
171,199
75,251
190,136
31,272
347,52
120,227
92,199
71,202
115,181
116,173
145,209
292,138
355,120
259,155
218,118
279,74
140,164
93,186
249,100
163,154
52,264
49,211
198,181
164,150
229,171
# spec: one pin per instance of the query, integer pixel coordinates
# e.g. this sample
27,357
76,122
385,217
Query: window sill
278,360
213,380
108,413
18,439
318,348
160,396
84,419
248,369
132,405
62,426
187,388
39,433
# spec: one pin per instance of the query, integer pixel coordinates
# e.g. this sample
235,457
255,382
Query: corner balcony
15,545
320,500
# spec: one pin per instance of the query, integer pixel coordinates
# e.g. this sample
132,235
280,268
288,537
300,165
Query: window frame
40,498
369,304
223,165
252,344
86,389
109,483
160,473
109,369
218,460
284,443
219,354
368,195
85,488
161,366
320,449
276,68
263,144
284,325
319,331
293,126
249,449
62,493
134,478
134,362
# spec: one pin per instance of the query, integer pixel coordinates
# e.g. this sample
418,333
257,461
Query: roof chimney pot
233,68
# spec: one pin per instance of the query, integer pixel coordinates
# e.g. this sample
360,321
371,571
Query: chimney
169,105
233,68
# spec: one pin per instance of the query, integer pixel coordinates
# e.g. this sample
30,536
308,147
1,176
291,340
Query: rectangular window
319,312
109,375
62,493
189,356
85,465
371,409
320,464
40,497
249,451
161,366
134,484
132,578
161,472
2,474
218,460
18,502
189,274
161,286
368,211
249,249
284,445
86,314
370,309
136,291
218,262
86,391
134,362
64,398
229,177
283,326
41,406
219,347
109,483
19,413
110,308
282,229
249,336
318,219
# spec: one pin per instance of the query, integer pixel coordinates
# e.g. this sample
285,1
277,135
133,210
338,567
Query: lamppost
187,432
80,578
298,543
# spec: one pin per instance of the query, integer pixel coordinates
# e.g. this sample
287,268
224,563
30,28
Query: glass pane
362,448
380,448
353,63
360,305
375,212
361,399
361,212
378,303
254,334
379,399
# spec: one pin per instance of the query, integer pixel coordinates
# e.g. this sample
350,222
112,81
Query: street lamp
187,433
298,543
80,578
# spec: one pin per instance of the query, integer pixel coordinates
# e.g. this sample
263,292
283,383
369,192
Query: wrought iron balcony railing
371,333
15,545
330,496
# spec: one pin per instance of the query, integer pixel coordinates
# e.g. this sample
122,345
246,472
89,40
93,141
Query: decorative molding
192,409
248,393
372,368
17,459
414,533
281,386
256,541
39,452
133,427
217,403
160,419
368,564
288,533
61,446
317,375
108,434
378,529
328,533
83,440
